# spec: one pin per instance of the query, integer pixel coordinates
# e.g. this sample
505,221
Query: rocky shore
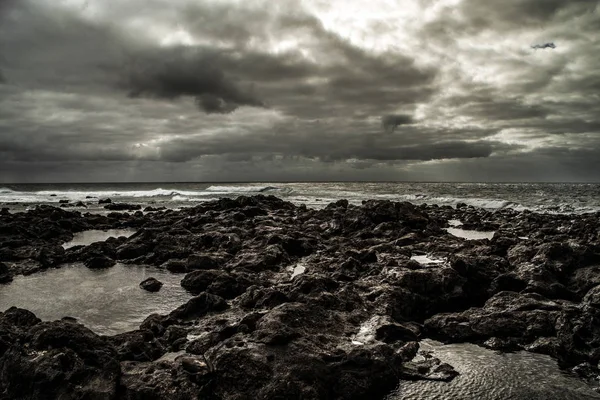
297,303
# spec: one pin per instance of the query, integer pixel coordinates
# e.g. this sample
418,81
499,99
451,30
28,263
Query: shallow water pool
108,301
88,237
490,375
470,235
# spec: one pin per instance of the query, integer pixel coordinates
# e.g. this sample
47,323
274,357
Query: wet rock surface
347,327
151,284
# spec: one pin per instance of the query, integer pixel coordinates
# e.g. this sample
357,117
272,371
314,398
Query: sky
299,90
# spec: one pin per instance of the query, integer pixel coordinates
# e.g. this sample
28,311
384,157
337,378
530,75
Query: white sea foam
54,196
240,189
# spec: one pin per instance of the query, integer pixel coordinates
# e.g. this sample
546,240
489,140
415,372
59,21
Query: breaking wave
241,189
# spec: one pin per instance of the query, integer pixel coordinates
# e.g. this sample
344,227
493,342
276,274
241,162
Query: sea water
542,197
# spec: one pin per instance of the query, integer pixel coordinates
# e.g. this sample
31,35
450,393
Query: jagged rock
185,378
214,281
392,332
431,369
52,360
99,262
346,328
140,345
199,306
122,207
5,274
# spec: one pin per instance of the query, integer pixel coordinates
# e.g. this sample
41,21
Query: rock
58,359
346,328
199,306
104,201
392,332
154,209
431,369
131,250
151,285
140,345
182,379
5,274
214,281
175,266
201,261
522,317
100,262
122,207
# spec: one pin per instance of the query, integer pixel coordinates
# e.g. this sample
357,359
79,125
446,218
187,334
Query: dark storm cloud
278,87
329,146
544,46
220,78
391,122
183,73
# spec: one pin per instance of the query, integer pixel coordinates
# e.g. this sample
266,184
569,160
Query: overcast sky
217,90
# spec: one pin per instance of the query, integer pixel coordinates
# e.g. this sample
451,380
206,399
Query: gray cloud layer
245,91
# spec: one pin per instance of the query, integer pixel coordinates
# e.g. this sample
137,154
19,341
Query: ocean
540,197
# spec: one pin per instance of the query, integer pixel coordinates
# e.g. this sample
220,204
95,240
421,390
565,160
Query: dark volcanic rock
99,262
185,378
199,306
216,282
293,302
140,345
55,360
122,207
151,284
5,274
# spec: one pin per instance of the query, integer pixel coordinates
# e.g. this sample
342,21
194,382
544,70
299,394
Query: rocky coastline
297,303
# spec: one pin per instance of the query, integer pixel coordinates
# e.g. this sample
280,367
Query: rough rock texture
54,360
293,303
5,274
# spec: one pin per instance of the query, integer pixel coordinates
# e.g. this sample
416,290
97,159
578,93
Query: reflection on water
88,237
489,375
470,235
108,301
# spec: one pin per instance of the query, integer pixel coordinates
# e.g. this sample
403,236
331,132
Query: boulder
60,359
151,284
99,262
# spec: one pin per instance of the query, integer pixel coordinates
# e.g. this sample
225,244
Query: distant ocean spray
541,197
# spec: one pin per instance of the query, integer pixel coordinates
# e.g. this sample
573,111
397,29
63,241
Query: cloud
119,84
544,46
390,122
2,78
180,72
